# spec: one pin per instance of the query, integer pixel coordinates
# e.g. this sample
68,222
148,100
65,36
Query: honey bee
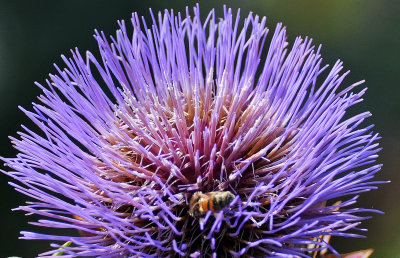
200,202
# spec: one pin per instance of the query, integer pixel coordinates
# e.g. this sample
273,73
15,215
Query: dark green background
365,34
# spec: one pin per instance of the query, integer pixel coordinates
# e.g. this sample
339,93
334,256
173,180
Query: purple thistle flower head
186,139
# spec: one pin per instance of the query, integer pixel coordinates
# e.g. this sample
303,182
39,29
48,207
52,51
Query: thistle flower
189,106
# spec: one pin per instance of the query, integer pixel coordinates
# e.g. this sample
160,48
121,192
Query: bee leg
202,222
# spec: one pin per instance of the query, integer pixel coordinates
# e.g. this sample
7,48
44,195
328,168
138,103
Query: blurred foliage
364,34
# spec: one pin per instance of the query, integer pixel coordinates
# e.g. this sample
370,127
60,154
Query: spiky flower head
187,106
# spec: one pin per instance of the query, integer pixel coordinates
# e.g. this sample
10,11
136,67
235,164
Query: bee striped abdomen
217,201
201,203
205,205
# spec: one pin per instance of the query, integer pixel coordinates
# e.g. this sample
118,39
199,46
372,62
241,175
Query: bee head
194,205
